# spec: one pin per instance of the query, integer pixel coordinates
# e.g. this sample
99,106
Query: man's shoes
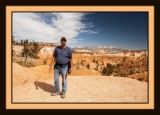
63,95
56,93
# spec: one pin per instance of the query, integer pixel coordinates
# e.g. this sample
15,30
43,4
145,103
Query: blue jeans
60,69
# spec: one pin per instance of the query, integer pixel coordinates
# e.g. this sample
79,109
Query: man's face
63,42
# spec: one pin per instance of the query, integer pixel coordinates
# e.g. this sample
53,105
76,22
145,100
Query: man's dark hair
63,39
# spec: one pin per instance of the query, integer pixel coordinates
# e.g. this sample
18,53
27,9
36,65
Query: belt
62,64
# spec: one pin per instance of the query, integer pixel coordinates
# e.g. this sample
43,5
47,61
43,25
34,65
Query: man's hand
70,71
50,69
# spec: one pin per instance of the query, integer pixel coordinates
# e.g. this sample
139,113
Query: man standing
62,57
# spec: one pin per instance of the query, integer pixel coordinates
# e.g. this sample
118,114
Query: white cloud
32,26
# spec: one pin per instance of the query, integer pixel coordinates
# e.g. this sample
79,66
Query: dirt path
84,89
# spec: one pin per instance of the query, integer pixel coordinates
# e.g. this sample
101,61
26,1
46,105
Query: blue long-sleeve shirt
62,55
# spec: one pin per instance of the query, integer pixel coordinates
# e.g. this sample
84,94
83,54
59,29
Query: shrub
31,51
94,60
88,66
44,62
108,70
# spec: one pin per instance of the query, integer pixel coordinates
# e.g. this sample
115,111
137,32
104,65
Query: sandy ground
22,75
84,89
83,86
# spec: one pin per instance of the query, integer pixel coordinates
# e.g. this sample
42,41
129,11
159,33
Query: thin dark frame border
81,102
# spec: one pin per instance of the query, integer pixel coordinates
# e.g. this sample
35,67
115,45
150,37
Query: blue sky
122,30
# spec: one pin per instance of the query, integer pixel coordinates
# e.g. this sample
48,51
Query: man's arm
51,64
52,61
54,56
71,63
